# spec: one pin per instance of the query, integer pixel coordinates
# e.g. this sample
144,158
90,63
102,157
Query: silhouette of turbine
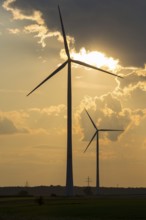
96,134
69,174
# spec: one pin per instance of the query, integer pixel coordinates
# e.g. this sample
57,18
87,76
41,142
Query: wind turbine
96,134
69,173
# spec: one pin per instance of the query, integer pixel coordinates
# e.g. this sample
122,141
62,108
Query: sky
109,34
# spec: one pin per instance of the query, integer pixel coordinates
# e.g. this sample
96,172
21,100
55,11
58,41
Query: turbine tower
69,173
96,134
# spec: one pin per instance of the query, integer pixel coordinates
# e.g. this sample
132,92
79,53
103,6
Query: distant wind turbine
69,174
96,134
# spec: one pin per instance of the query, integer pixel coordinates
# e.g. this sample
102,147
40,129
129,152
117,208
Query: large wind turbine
69,174
96,134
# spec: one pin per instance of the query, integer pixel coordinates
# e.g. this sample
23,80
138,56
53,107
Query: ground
62,208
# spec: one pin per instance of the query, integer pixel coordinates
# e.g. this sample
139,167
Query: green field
72,208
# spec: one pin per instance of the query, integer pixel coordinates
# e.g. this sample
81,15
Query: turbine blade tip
85,151
85,109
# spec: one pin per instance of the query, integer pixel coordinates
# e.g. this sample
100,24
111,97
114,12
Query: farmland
103,207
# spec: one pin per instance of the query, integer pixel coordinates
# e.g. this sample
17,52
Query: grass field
19,208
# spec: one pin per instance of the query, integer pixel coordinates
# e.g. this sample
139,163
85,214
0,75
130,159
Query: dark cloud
8,127
113,26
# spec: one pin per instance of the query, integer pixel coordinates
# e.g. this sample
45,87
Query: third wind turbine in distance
69,173
96,134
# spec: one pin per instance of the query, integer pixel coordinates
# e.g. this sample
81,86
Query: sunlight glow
95,58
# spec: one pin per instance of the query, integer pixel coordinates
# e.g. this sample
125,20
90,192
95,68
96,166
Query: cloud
18,14
107,113
123,108
94,58
51,120
35,16
135,98
34,120
41,30
132,78
13,31
116,24
52,110
42,33
39,26
13,122
131,87
8,127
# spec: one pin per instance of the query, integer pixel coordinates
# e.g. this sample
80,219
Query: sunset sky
110,34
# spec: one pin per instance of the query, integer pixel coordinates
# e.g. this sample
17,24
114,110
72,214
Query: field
28,208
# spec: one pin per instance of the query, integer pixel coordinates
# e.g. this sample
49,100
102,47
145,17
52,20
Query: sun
96,58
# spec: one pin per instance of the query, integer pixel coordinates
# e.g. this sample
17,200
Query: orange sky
33,129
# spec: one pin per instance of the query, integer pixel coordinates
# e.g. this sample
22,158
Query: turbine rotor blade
90,141
91,120
52,74
64,35
111,130
93,67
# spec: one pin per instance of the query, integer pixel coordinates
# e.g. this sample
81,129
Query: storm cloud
114,26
